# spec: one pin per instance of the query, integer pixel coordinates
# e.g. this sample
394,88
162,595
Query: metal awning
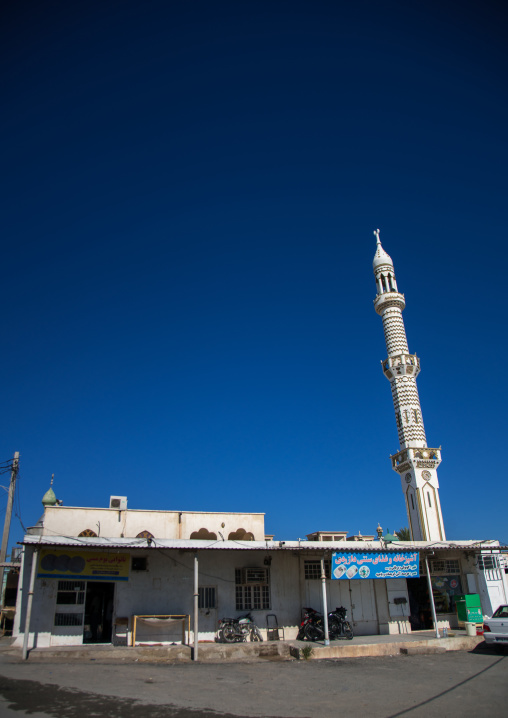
293,546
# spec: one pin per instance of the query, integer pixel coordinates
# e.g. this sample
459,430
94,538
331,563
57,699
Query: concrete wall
111,523
166,587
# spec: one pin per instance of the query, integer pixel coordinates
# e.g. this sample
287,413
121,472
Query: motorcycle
235,630
338,625
312,626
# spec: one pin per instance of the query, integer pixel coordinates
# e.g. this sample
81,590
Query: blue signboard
376,564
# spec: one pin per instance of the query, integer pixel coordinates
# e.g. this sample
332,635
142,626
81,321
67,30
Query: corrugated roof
158,511
194,544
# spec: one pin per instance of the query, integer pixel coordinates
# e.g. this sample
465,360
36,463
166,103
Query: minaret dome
383,270
381,257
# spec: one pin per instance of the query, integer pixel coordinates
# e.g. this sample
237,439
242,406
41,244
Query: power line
17,506
190,568
8,514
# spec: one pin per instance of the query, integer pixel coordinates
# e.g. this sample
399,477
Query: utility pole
7,522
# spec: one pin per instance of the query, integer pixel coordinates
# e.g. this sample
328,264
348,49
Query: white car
495,629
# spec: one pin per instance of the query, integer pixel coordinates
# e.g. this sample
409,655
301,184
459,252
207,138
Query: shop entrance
420,612
98,612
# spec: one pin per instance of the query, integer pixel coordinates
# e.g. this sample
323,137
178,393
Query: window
502,612
446,583
88,532
445,589
240,535
68,619
252,588
145,534
204,535
70,593
139,563
445,565
428,498
313,569
207,597
488,563
491,566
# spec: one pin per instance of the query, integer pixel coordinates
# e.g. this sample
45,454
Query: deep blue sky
189,192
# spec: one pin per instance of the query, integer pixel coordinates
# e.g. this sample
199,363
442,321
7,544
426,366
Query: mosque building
140,569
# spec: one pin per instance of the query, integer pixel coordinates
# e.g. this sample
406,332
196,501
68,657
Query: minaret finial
376,233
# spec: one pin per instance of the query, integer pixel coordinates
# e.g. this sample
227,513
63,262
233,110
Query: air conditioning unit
118,502
255,575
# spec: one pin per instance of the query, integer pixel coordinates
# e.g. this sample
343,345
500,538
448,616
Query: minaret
415,462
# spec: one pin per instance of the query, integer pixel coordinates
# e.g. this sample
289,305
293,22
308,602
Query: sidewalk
360,646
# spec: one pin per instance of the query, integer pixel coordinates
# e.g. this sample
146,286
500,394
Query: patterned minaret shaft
420,487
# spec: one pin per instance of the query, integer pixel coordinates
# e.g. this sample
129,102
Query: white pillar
431,596
196,608
35,557
325,602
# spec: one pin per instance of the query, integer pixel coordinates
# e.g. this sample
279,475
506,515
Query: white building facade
88,589
143,563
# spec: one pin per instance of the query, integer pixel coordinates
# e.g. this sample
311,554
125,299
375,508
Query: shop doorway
98,612
420,612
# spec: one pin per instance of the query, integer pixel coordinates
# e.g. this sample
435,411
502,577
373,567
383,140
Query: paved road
450,684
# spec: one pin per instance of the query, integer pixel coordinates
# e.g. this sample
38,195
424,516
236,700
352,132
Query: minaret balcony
389,299
424,458
401,365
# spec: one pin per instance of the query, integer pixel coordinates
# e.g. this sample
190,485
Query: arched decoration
88,533
204,535
241,535
145,534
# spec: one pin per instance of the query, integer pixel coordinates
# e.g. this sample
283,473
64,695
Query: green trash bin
469,609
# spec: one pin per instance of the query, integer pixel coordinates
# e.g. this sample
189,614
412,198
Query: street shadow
488,649
448,690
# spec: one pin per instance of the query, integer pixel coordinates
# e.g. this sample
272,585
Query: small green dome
390,537
49,498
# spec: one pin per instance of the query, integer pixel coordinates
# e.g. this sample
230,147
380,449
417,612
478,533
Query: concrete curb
350,650
242,652
208,653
